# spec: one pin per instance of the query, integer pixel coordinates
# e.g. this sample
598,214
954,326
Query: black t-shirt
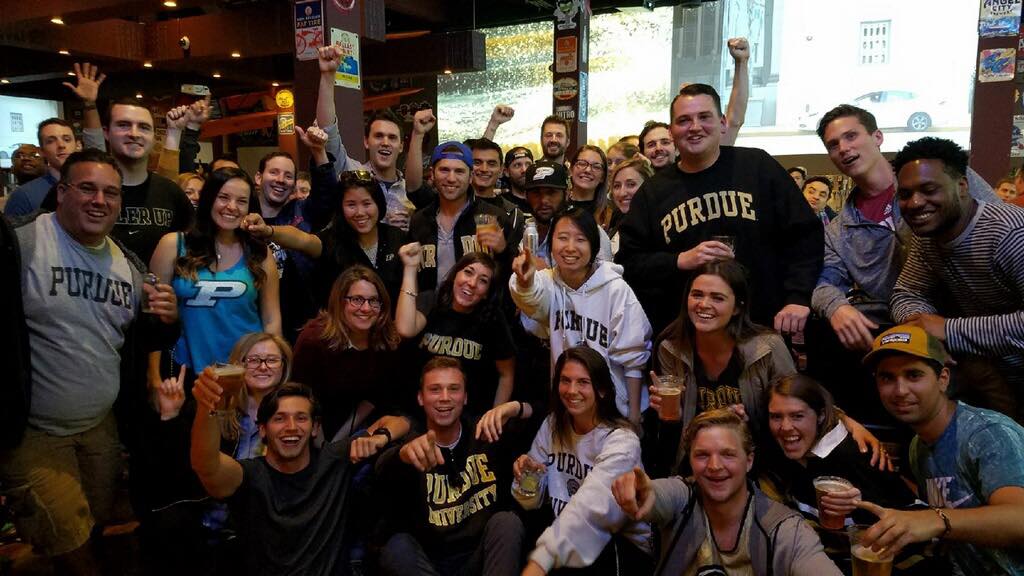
150,210
293,524
476,343
721,392
520,203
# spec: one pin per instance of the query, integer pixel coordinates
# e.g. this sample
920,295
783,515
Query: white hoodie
577,482
603,314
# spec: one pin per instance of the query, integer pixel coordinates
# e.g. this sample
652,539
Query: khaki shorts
59,487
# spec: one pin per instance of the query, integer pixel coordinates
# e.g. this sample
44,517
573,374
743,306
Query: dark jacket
423,229
341,251
16,390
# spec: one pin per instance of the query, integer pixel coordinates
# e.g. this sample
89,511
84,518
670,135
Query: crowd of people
459,365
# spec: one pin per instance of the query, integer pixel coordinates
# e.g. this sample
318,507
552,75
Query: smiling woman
226,280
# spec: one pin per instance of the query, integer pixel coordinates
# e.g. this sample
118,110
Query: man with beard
27,163
657,145
554,138
963,281
57,140
720,522
289,505
382,140
546,183
450,487
517,161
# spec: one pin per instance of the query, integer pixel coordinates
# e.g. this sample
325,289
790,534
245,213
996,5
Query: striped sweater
979,279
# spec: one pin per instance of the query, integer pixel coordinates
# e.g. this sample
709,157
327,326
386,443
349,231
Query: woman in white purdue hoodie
586,302
580,449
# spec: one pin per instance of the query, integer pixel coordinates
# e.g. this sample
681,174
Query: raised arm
220,474
422,123
87,88
736,111
408,320
169,162
328,60
270,303
502,113
197,115
288,237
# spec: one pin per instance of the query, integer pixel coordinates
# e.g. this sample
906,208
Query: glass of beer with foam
867,562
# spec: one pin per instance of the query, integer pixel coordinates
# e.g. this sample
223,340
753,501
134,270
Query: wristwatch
382,431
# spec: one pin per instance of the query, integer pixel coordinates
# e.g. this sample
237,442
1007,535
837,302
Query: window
17,122
874,42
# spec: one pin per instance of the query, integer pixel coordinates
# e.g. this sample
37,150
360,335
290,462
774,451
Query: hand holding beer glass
488,234
666,396
228,377
837,497
868,562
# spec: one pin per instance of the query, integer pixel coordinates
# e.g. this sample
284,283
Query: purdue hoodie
602,314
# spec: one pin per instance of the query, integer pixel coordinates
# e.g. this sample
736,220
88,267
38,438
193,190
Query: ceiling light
63,52
236,54
147,64
71,73
57,20
139,95
171,4
216,74
275,84
4,81
447,71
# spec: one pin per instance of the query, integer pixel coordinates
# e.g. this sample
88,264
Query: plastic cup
867,562
824,485
670,388
231,378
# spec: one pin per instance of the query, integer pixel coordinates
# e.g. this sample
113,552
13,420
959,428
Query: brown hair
637,162
604,395
814,395
383,334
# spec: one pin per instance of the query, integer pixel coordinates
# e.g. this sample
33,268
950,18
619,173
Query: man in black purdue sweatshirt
679,220
448,490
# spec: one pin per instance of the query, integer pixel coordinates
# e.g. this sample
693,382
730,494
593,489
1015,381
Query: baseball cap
517,153
907,339
452,150
547,174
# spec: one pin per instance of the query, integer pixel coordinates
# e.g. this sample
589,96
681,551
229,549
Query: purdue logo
210,291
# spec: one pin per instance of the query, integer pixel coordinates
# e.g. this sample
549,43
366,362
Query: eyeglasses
583,165
358,301
90,189
253,362
25,155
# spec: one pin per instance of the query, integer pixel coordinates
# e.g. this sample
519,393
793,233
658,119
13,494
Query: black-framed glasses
254,362
358,301
594,166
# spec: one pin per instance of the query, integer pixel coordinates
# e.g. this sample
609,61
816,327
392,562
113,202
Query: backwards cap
452,150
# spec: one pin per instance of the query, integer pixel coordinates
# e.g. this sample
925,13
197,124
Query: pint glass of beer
867,562
822,486
485,222
231,378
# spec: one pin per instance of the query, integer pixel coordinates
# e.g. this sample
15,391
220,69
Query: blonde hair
720,418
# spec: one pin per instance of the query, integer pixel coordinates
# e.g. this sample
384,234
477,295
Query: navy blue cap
452,150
